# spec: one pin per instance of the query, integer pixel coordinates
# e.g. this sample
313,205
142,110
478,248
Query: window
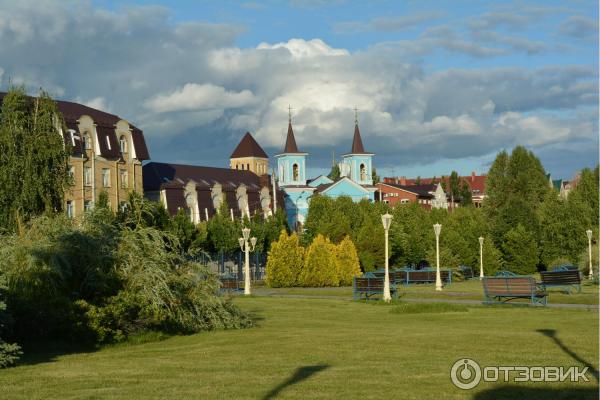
123,178
87,144
248,167
105,177
363,172
295,172
123,144
87,205
404,201
70,209
87,176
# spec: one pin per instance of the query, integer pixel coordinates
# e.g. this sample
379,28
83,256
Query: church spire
290,141
357,144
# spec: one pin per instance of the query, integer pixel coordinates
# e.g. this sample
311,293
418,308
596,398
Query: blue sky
439,85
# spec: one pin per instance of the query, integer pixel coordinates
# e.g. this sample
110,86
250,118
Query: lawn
458,290
311,348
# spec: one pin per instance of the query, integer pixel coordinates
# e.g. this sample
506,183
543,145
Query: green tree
466,197
375,177
320,264
223,233
370,244
33,157
9,352
285,261
335,172
347,260
520,251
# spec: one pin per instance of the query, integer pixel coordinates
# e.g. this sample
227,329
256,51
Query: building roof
105,123
290,141
357,144
423,190
248,147
475,182
155,175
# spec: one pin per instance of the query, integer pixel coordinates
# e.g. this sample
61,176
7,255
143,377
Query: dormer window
123,144
87,144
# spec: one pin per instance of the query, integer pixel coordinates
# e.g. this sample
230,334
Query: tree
520,251
9,352
33,157
223,233
320,264
347,260
466,197
418,180
453,186
370,244
335,172
285,261
375,177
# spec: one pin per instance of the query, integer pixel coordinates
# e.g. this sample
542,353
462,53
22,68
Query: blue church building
355,181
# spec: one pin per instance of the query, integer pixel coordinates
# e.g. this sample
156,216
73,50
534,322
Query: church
355,181
247,188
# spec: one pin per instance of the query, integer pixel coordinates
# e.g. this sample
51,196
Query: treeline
525,224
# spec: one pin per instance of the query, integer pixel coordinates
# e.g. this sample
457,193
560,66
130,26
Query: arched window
87,143
123,144
295,172
363,172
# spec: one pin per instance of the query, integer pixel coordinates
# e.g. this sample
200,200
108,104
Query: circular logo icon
465,374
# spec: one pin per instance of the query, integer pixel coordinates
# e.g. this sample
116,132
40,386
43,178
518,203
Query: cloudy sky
438,85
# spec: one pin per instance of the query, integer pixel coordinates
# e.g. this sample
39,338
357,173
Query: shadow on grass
513,392
46,352
551,333
301,374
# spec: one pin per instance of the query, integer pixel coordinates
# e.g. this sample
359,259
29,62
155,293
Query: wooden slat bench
503,289
229,283
428,276
368,286
566,278
467,272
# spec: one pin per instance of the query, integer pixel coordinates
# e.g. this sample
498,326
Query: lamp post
386,219
437,228
245,246
589,236
480,257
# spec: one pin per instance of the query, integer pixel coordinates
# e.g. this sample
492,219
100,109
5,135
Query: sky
439,85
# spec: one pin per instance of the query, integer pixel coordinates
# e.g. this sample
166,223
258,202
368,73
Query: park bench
229,283
567,278
428,276
396,276
501,289
368,286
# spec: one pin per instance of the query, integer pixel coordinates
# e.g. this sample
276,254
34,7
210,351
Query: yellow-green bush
320,264
285,261
347,260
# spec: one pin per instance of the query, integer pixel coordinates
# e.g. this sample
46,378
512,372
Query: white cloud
300,48
195,96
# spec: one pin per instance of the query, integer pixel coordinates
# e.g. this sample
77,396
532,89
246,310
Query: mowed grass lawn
311,348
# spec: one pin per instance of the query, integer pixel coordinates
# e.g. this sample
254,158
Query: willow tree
33,157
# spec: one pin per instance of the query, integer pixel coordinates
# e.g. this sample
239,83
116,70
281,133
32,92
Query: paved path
265,293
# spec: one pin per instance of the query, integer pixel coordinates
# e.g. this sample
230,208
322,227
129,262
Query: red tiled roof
248,147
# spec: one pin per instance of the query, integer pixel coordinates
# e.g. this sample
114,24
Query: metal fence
233,264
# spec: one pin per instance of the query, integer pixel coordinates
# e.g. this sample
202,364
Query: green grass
465,290
310,348
428,308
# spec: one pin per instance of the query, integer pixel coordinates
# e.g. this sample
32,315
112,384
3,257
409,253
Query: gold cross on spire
355,115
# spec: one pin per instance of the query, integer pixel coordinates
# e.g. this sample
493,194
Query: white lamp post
589,236
245,246
480,257
437,228
386,219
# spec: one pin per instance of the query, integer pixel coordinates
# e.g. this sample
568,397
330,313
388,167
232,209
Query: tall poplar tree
33,157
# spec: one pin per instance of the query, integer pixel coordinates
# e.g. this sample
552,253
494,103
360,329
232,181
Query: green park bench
229,283
405,276
500,289
371,285
566,278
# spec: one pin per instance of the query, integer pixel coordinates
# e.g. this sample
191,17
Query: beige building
106,156
249,156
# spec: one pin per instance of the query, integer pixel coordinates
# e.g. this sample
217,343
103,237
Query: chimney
473,176
403,180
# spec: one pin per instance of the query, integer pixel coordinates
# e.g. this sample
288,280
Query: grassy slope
325,349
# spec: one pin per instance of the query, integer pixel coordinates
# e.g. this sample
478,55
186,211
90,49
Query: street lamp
589,235
386,219
437,228
480,257
245,246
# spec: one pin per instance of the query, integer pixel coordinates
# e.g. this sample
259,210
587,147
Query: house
200,191
475,182
427,196
106,154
